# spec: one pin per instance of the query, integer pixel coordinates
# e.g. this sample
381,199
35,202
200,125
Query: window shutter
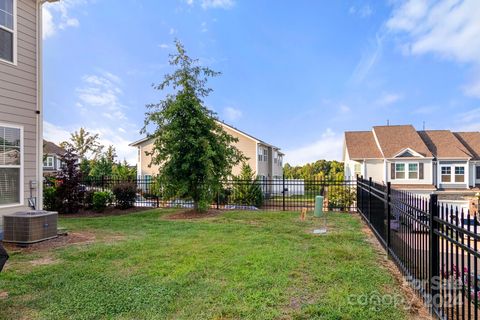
420,171
392,171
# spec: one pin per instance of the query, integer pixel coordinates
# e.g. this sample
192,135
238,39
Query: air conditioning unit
29,226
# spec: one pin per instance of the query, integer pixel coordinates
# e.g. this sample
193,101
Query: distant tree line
320,169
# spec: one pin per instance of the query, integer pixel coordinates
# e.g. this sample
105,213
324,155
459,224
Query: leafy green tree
122,171
101,167
193,151
111,154
83,143
321,169
247,189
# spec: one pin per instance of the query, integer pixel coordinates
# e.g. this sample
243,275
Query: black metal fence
271,194
434,245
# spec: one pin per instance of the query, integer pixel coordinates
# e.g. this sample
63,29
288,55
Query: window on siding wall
413,171
10,165
459,174
7,31
400,171
446,174
48,162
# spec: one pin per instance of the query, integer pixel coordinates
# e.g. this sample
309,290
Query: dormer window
7,30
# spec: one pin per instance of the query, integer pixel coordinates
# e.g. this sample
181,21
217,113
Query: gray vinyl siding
18,93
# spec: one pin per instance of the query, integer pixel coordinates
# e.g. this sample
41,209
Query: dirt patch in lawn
193,215
60,241
110,211
44,261
415,304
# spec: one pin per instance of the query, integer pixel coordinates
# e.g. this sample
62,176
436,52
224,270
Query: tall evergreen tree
193,151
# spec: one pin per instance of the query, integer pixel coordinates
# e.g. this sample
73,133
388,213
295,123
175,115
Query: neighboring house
265,159
21,115
440,161
52,155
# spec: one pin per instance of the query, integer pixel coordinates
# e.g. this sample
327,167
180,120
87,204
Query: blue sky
296,74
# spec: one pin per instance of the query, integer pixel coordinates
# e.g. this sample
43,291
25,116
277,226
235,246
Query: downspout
39,109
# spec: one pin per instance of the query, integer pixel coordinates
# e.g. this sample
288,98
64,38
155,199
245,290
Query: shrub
125,194
69,192
101,199
247,190
88,199
49,198
341,198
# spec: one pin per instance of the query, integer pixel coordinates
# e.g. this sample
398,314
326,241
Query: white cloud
172,31
447,28
344,108
204,27
99,109
206,4
363,11
472,89
57,16
368,59
232,114
163,46
328,147
388,99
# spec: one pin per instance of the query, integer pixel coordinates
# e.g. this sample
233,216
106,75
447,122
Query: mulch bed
192,215
60,241
110,211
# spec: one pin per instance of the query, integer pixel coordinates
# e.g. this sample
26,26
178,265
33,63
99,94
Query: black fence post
369,201
283,192
434,250
388,212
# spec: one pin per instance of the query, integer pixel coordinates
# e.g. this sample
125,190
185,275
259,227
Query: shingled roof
51,148
362,145
444,144
394,139
471,140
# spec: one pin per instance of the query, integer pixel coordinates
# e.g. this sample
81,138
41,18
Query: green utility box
318,212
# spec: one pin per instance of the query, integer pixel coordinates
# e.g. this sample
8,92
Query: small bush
125,194
49,198
101,199
88,199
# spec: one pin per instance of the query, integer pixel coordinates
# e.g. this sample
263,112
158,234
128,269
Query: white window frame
417,172
445,174
47,161
455,174
452,173
21,166
14,31
406,171
265,154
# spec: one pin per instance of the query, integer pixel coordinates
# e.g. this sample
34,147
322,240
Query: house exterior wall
375,169
427,172
244,144
56,165
452,184
18,100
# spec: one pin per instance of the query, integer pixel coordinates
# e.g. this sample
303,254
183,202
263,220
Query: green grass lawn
240,265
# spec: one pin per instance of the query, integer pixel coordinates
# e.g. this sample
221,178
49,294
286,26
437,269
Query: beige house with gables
265,159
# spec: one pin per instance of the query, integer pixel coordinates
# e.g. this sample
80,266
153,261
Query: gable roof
444,144
51,148
471,140
136,143
393,139
362,145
